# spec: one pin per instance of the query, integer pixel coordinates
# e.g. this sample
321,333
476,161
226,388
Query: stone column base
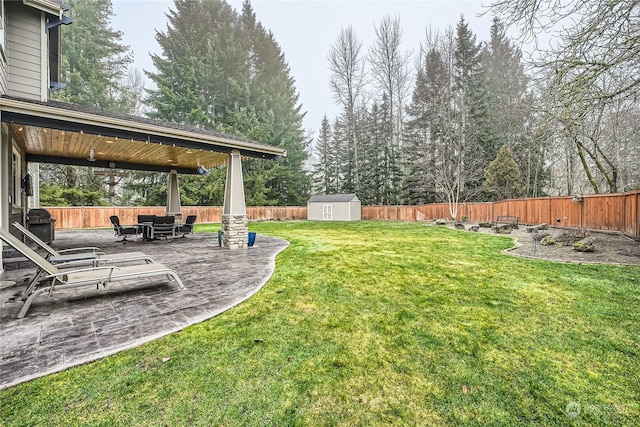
235,231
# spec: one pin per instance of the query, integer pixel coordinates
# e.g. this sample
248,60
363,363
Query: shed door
327,212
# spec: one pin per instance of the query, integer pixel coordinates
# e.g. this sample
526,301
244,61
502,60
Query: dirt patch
609,248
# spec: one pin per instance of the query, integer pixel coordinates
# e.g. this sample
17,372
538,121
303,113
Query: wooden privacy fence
98,216
609,212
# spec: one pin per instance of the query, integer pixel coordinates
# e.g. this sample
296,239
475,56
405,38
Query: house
37,130
334,207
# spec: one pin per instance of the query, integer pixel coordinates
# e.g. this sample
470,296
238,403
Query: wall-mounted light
91,157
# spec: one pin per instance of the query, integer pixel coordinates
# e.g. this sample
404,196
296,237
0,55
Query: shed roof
334,198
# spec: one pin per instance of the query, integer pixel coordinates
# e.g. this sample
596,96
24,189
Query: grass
377,323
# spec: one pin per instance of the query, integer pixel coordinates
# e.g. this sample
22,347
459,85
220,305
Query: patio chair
90,253
123,230
187,227
78,256
163,226
56,278
145,225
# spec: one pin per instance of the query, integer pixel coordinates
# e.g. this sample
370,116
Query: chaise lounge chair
76,257
55,278
91,254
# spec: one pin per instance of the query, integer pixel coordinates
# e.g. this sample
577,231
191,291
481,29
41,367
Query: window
16,188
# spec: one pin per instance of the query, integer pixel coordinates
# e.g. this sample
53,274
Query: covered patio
81,325
63,133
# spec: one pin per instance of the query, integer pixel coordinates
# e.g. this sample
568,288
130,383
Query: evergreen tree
430,104
322,169
471,104
94,67
511,118
223,71
94,61
503,179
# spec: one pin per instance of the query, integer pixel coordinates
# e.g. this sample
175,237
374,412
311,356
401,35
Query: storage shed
334,207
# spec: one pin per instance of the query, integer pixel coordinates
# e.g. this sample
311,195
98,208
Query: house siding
3,76
24,51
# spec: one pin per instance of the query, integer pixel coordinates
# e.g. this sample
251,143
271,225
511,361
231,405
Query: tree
589,71
223,71
323,179
94,61
94,67
347,82
389,66
595,39
429,102
471,103
503,179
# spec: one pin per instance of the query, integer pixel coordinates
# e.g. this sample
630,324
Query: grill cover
39,216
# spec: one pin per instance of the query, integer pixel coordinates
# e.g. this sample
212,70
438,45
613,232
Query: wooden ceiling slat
53,142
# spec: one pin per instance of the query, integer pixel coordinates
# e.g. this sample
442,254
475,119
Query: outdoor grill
40,223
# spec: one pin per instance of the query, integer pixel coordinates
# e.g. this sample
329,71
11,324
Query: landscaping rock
441,221
459,226
485,224
547,241
543,226
475,228
585,245
503,229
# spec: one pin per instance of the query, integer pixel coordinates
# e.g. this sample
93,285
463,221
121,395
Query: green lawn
377,323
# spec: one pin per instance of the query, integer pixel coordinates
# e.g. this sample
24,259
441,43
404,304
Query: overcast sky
306,30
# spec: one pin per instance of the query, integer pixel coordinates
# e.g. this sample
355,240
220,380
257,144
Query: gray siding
340,211
24,56
3,76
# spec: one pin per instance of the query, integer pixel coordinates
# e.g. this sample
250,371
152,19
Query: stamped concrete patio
76,326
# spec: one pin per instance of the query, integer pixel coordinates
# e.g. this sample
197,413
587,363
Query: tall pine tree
224,71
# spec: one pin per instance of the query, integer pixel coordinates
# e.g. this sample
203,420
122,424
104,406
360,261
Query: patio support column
174,207
235,223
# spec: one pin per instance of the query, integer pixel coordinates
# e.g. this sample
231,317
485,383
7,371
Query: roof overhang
46,6
62,133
